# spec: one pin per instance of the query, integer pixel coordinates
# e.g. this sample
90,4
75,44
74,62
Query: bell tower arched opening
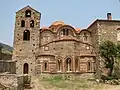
26,35
28,13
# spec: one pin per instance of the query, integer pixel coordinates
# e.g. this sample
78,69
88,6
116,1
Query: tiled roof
77,30
58,22
55,26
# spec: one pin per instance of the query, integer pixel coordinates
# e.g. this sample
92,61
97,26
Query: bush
26,79
116,72
110,78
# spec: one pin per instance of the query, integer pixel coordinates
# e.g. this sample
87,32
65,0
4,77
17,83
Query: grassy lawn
60,83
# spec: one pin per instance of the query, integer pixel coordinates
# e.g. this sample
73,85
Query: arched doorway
26,68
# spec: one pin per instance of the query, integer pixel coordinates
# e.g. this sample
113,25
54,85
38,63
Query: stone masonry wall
12,81
25,50
7,66
107,30
94,37
103,30
4,56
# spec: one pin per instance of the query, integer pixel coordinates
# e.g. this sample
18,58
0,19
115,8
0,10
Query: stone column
73,64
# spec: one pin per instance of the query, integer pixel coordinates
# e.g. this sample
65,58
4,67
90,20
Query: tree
109,51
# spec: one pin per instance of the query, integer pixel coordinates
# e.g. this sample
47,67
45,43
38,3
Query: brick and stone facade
25,48
58,48
103,30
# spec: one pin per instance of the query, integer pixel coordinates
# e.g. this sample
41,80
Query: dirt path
36,85
107,87
112,87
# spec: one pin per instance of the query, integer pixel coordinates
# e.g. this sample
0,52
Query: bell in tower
28,13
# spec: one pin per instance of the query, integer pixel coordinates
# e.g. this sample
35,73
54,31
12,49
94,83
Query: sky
78,13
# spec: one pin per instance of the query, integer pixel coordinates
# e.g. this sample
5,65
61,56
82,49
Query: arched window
68,64
22,23
45,66
31,23
26,35
85,36
65,32
89,66
25,68
28,13
59,64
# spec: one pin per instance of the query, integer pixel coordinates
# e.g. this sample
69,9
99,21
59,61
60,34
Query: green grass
60,82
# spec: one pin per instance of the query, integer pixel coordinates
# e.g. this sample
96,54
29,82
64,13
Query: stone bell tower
26,39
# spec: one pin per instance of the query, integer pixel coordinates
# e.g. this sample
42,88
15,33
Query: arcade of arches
70,65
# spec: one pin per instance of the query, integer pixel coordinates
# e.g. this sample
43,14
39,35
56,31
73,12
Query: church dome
58,23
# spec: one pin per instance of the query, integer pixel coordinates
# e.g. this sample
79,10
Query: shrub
26,79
